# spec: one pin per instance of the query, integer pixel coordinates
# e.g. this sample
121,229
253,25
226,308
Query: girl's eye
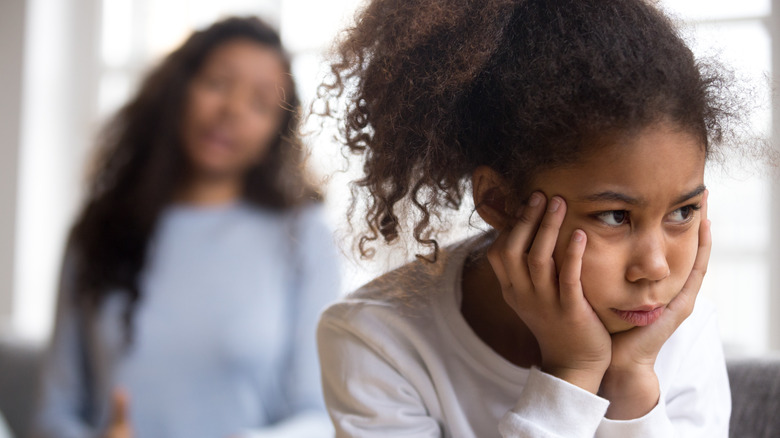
682,214
614,218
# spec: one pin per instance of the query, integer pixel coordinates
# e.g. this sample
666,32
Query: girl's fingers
683,302
507,254
522,234
541,266
571,270
704,204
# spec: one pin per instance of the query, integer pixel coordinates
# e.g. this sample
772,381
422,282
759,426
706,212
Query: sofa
755,391
755,397
19,369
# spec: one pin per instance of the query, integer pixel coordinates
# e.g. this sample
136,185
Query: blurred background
68,64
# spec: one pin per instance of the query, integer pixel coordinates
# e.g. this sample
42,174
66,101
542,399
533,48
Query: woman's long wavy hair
140,163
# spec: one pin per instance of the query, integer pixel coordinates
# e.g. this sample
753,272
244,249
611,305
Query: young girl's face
234,108
638,203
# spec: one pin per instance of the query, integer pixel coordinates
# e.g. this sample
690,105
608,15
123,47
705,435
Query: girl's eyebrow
609,195
692,194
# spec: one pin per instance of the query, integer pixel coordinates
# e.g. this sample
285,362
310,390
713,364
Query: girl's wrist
632,392
588,379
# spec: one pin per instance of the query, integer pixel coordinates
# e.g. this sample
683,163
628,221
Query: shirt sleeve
317,284
367,396
550,408
63,399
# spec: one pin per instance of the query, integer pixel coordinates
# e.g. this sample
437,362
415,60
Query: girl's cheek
601,262
682,254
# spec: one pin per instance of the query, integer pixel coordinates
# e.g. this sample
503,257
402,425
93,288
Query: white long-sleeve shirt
398,359
224,334
5,432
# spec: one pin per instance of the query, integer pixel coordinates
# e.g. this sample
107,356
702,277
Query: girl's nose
649,258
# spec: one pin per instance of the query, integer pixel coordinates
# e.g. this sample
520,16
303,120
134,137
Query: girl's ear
490,197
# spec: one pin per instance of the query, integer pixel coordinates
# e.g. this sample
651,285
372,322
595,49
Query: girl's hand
574,343
630,382
120,419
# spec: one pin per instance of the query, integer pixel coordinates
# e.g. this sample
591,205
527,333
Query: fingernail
578,235
554,204
535,200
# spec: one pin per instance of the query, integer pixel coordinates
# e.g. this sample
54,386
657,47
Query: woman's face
638,202
234,108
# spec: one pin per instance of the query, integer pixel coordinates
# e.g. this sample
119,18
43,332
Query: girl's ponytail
405,68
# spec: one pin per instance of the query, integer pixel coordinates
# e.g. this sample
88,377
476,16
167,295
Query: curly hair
436,88
140,163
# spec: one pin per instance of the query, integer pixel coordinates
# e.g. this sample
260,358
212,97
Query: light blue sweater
224,334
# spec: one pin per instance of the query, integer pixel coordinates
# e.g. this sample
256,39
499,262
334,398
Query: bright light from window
135,33
697,10
117,32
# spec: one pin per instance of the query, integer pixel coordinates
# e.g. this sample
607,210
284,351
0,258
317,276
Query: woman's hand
630,382
574,343
119,427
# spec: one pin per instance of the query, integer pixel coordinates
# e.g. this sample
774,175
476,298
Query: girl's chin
620,330
615,326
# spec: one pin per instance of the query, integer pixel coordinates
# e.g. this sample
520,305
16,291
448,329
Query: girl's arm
366,394
695,398
376,386
575,345
63,397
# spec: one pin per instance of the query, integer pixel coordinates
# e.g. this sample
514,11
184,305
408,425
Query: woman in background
196,271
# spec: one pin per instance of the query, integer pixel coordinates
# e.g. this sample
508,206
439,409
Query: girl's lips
640,318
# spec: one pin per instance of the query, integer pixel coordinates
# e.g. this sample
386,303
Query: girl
581,129
195,274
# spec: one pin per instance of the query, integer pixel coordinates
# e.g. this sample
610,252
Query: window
738,279
135,33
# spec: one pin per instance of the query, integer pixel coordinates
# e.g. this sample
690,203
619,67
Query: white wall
12,13
774,242
66,83
58,112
